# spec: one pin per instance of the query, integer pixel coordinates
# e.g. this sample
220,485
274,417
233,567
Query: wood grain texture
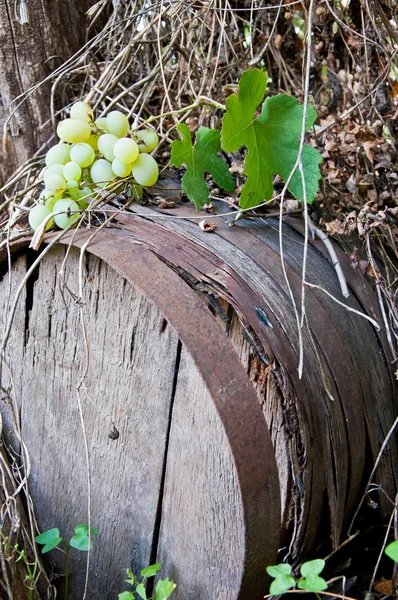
202,526
129,385
166,488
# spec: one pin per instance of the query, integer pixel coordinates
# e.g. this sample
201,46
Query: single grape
50,195
148,140
37,216
126,150
101,124
55,182
83,154
71,184
82,111
69,212
145,170
52,170
51,200
73,131
58,155
72,170
101,172
82,197
106,144
120,169
117,123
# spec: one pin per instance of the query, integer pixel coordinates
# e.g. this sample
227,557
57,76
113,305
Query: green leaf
281,584
131,579
164,588
151,570
126,596
282,569
392,551
313,583
140,589
283,580
81,540
272,140
50,539
200,159
312,567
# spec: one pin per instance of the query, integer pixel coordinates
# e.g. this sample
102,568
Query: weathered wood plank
129,385
202,527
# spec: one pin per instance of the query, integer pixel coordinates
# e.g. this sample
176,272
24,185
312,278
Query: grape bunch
91,154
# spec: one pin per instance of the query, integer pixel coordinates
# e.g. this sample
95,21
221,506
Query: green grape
73,131
93,142
71,184
101,124
58,155
101,172
117,123
106,143
82,111
120,169
55,182
37,216
86,177
82,197
72,170
126,150
52,170
148,140
51,200
50,195
145,170
66,207
83,154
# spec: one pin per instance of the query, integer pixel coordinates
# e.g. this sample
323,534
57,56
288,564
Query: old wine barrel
207,452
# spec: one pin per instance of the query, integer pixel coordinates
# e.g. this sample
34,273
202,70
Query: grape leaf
272,140
199,159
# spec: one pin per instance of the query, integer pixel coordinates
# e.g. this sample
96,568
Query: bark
28,54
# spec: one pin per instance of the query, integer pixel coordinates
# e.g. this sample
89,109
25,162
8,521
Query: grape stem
202,101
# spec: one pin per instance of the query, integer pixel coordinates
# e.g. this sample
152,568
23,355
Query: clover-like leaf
312,567
313,583
282,569
283,580
199,159
151,570
164,588
50,539
81,540
310,571
392,551
272,140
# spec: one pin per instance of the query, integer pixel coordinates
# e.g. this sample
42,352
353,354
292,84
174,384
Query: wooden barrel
207,452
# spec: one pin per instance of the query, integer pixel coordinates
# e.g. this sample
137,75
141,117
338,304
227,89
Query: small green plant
392,551
309,580
163,588
52,539
21,556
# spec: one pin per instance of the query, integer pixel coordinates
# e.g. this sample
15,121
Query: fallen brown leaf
207,227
